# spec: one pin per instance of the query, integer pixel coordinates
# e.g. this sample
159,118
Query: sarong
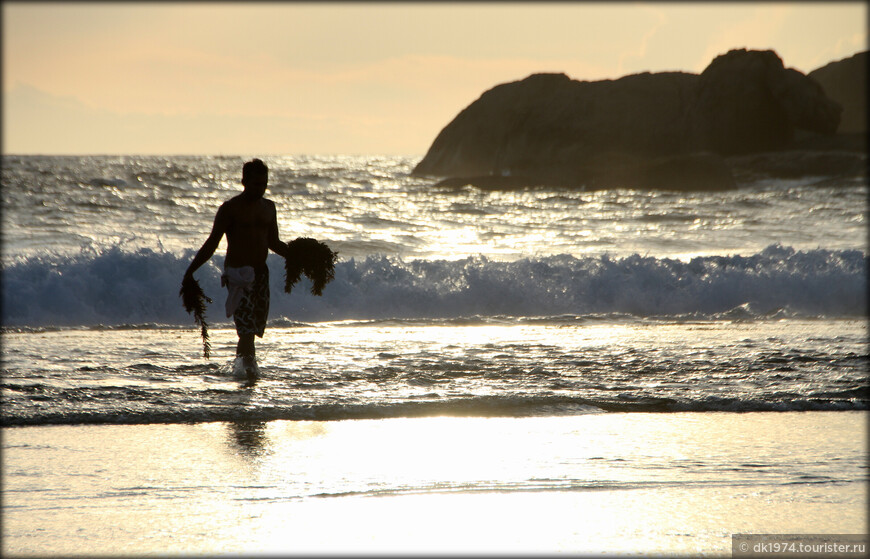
251,309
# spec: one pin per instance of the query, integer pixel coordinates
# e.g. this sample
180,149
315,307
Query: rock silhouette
652,130
845,81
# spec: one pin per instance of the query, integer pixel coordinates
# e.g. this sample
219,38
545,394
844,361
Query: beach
598,483
519,280
543,370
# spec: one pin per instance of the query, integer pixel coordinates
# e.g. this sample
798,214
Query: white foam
117,287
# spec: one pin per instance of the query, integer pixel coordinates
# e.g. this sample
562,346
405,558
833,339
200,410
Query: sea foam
120,287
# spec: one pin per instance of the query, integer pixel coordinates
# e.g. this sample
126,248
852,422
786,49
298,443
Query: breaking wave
480,406
119,287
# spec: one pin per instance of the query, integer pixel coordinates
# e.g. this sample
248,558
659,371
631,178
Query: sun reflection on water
670,483
615,482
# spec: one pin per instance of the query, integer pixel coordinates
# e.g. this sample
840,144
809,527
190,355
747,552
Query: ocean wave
117,287
474,406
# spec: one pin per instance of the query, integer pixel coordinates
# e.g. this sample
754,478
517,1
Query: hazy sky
360,78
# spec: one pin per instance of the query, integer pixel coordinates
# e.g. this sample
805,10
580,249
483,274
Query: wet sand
615,483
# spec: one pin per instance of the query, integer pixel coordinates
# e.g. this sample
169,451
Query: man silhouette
250,223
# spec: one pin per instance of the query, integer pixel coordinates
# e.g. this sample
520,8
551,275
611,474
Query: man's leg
245,350
250,319
246,346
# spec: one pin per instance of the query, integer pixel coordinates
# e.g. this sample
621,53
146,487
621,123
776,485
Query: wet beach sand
597,483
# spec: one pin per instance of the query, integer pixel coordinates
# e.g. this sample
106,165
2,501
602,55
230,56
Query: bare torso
248,225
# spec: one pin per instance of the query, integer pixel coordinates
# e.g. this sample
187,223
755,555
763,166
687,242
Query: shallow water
407,369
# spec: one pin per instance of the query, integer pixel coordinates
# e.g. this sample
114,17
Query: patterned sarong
253,309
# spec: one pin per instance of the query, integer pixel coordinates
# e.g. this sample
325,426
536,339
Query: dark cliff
650,130
845,81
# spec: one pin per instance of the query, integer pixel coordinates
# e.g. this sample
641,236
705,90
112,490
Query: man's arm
275,243
210,245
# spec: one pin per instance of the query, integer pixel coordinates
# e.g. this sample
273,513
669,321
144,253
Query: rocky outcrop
553,128
830,164
746,101
845,81
662,130
696,171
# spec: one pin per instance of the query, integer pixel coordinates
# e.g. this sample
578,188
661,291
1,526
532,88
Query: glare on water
588,483
371,205
456,422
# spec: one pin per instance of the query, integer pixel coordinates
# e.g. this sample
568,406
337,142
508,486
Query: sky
355,78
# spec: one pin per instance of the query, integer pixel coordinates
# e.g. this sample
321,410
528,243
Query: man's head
255,176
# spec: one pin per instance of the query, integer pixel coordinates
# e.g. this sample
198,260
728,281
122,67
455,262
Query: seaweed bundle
312,258
194,301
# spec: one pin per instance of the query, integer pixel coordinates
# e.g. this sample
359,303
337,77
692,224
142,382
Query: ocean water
478,355
460,301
